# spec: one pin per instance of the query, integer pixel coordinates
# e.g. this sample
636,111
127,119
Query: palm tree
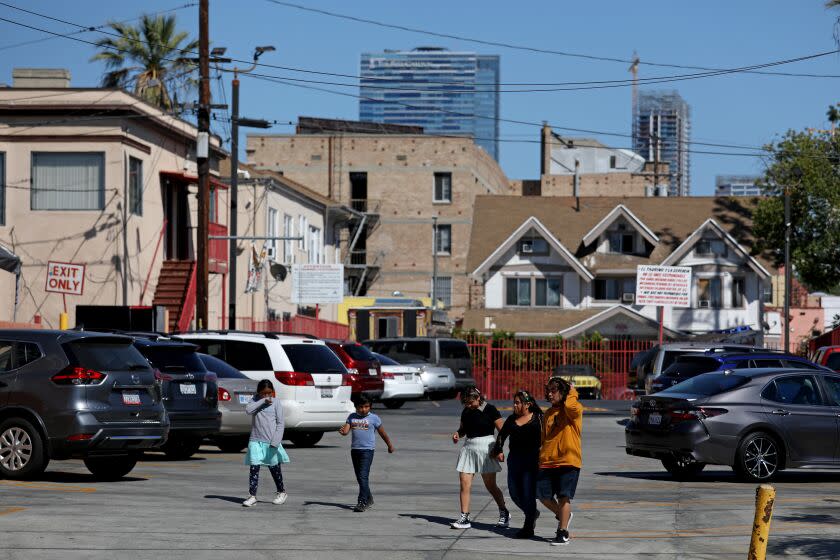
150,59
833,116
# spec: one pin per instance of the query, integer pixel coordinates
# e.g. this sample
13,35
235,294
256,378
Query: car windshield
689,366
105,355
708,384
453,350
174,357
385,360
404,351
671,356
833,361
223,370
358,352
313,358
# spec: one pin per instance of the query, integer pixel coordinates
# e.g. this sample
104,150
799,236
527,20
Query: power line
521,47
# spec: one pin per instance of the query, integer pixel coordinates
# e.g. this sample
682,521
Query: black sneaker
561,539
463,522
360,507
504,519
525,532
370,502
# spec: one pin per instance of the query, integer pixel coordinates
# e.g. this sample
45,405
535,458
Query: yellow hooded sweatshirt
561,434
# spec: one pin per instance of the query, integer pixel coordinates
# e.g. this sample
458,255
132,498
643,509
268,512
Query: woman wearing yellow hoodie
560,457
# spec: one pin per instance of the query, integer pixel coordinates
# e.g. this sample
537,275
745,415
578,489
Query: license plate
326,392
244,399
131,398
409,376
654,419
187,389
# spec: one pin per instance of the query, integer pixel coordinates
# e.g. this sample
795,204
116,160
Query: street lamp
235,121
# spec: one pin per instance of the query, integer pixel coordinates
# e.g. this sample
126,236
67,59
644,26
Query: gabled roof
697,235
671,219
611,312
527,225
609,219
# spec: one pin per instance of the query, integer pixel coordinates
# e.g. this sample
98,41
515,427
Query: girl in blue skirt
264,445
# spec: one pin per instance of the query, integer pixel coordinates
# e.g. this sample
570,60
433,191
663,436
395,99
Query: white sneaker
250,501
463,522
280,499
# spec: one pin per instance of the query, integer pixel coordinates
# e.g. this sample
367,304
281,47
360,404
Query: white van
308,377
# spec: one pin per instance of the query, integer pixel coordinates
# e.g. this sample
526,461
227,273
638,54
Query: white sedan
402,383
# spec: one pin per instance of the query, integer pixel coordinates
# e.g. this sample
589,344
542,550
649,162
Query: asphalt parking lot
626,507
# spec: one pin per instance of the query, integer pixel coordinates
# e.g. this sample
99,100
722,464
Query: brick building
395,182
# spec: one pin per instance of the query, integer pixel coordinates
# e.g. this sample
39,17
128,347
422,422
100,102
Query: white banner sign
65,278
317,283
663,285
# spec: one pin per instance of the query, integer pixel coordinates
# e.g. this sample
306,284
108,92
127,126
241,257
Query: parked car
363,369
828,356
757,421
190,393
402,383
649,364
452,353
67,394
690,365
235,391
583,377
309,379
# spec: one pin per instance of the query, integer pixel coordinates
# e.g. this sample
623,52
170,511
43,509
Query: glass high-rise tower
663,118
443,91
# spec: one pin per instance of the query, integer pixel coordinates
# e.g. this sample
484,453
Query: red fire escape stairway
176,291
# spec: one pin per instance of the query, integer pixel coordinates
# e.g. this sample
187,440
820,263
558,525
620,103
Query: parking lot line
10,509
52,487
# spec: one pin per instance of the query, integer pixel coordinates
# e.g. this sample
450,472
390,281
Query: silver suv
70,394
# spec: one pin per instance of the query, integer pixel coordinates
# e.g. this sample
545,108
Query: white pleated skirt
475,458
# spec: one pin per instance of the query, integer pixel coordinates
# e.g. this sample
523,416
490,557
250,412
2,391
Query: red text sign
65,278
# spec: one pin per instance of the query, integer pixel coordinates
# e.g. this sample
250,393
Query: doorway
177,212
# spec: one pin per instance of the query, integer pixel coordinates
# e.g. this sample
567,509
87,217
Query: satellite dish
278,271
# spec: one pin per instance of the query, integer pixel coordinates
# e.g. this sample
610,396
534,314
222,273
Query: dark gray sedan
235,390
757,421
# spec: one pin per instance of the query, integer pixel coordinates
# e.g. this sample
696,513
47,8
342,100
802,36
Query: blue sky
735,109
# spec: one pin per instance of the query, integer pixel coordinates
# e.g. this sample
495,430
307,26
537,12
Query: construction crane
634,69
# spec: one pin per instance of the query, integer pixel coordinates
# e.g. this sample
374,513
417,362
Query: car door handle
781,412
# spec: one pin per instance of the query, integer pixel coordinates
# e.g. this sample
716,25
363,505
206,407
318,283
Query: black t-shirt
524,440
477,422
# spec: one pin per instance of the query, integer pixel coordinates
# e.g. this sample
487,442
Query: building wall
400,177
122,251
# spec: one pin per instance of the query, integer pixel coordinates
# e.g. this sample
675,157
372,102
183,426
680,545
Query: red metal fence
501,366
830,338
298,324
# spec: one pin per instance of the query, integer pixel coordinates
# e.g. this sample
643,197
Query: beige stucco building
395,183
97,177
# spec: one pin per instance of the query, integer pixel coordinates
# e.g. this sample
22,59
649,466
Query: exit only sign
65,278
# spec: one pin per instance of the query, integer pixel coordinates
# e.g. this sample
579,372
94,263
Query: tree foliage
808,165
150,59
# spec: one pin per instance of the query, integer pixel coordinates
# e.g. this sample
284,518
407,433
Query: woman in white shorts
479,422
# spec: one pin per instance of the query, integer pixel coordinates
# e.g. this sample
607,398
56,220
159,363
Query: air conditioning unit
629,297
527,247
705,303
271,252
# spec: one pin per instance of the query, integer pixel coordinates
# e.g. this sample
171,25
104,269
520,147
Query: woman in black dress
524,429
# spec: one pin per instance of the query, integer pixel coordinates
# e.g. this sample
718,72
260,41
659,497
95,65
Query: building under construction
661,132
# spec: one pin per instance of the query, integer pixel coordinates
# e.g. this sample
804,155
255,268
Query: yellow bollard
63,321
765,496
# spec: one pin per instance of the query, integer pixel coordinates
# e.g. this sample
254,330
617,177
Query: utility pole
234,178
203,161
434,261
787,269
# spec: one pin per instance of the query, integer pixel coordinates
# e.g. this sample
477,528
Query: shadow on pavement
446,521
162,458
231,499
77,478
794,477
815,548
328,504
809,518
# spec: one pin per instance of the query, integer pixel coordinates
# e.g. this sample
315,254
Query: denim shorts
560,482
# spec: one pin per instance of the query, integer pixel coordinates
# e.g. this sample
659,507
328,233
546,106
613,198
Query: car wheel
683,468
110,468
232,444
22,452
759,457
305,439
393,403
179,448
